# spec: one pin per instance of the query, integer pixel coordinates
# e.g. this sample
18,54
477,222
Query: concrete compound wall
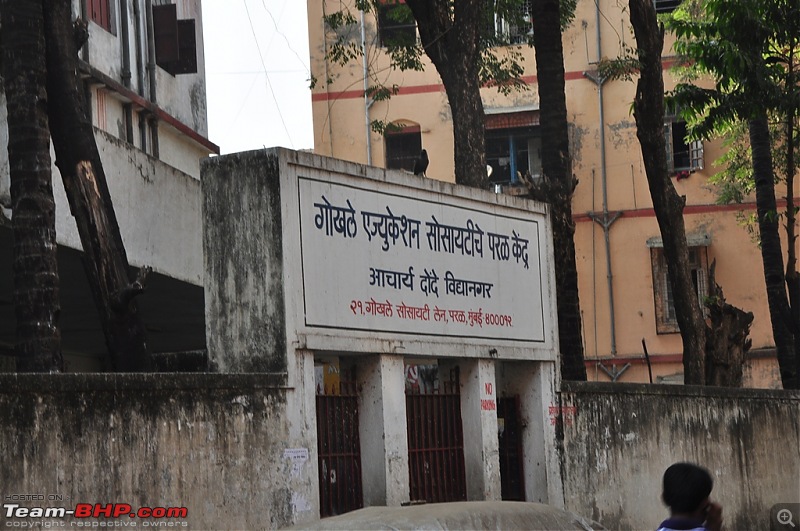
219,445
619,439
224,447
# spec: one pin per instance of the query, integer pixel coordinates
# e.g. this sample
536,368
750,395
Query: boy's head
686,487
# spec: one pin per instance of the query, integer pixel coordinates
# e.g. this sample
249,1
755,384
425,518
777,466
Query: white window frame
694,148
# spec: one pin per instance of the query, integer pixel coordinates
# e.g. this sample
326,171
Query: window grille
403,147
516,31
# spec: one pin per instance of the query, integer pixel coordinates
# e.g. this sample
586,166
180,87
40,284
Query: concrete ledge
38,384
596,388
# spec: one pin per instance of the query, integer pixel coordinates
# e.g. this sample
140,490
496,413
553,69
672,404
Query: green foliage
735,182
382,127
381,92
505,73
623,67
730,41
500,59
751,51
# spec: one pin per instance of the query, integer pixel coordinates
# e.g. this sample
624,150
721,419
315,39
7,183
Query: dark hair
686,485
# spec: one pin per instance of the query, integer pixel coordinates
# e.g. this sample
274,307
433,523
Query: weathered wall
215,444
157,207
619,439
182,96
243,252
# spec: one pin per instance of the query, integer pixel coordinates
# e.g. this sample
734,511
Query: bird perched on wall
421,164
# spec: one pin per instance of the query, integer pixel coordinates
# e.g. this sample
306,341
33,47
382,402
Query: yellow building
625,301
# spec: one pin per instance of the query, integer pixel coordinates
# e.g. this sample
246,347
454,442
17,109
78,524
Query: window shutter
100,13
696,155
175,40
187,48
165,29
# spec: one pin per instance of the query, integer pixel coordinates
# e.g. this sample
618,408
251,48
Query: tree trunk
668,206
557,170
792,275
78,160
771,254
451,41
727,340
36,285
463,93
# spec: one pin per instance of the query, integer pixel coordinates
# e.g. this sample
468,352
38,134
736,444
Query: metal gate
436,444
339,450
512,475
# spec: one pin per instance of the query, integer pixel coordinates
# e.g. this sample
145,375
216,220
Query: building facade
143,73
624,293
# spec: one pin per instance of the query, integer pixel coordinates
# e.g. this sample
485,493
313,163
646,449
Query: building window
514,154
515,30
666,320
513,145
403,146
175,41
682,157
101,115
666,6
100,13
396,25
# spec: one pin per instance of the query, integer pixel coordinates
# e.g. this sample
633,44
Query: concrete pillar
243,249
302,448
382,430
479,418
534,383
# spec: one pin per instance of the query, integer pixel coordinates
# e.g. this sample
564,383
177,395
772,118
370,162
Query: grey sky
257,74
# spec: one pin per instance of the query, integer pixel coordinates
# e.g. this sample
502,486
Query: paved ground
459,515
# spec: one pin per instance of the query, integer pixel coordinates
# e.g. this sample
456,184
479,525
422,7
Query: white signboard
413,264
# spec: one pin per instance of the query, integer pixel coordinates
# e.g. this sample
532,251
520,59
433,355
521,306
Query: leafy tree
460,40
36,286
750,50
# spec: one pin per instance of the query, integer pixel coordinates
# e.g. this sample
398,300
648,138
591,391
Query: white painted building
143,67
412,322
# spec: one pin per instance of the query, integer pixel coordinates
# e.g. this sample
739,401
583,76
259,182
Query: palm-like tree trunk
557,171
771,254
792,274
78,160
36,297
